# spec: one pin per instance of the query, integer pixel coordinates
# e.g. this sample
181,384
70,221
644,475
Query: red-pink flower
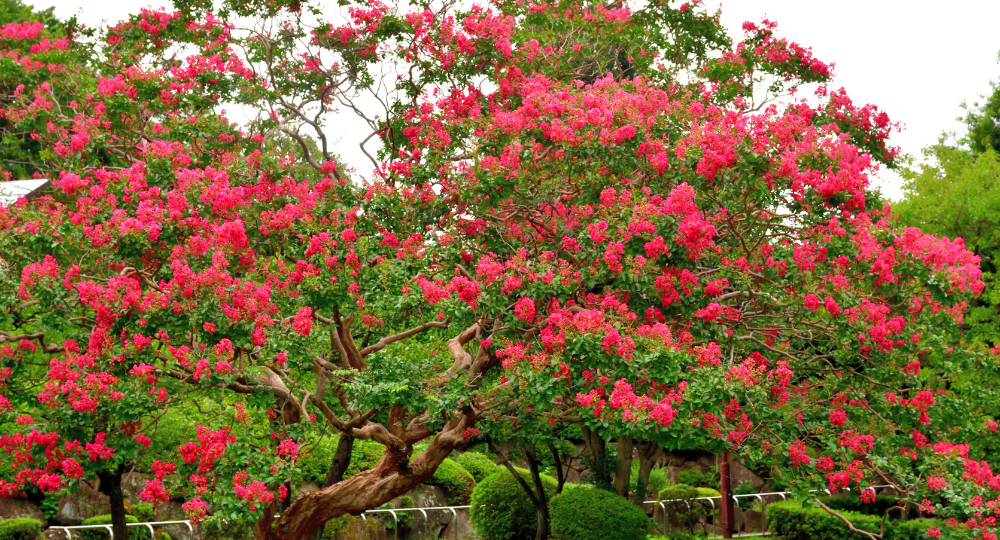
524,309
798,453
303,321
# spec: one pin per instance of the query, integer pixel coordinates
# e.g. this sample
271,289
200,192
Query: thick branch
388,340
846,521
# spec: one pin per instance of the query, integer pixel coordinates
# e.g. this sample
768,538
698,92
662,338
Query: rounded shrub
20,529
678,491
456,481
595,514
707,492
501,510
479,465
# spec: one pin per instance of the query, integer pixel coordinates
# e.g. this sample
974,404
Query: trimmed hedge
456,481
794,521
479,465
877,507
678,491
134,533
501,510
595,514
20,529
912,529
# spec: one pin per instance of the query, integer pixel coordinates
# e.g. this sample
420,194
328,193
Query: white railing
760,497
149,525
391,511
454,515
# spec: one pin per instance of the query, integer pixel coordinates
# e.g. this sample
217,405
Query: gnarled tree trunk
392,477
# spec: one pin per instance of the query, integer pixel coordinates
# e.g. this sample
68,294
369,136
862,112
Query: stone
21,508
739,474
173,511
86,502
133,484
424,496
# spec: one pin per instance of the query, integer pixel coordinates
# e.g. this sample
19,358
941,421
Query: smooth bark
623,473
111,485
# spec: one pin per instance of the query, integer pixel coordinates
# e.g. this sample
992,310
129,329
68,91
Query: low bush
501,510
142,511
684,513
694,477
680,535
878,507
403,519
707,492
678,491
745,488
217,528
134,533
479,465
913,529
20,529
456,481
595,514
794,520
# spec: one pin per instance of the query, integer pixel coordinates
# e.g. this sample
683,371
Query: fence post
726,490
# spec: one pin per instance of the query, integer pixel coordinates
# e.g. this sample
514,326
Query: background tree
983,122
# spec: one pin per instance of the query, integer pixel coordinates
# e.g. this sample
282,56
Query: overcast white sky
916,59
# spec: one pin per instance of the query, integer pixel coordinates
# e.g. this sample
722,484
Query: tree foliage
579,214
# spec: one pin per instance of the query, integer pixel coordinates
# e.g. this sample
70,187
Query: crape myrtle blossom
648,254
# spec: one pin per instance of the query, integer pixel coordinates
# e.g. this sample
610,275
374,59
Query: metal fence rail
759,496
454,514
148,524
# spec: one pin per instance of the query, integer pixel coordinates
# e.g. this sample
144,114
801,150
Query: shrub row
20,529
878,507
501,510
794,521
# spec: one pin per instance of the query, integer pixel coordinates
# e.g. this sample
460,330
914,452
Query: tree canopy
580,213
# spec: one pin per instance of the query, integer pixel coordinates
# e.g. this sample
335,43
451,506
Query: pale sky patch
916,60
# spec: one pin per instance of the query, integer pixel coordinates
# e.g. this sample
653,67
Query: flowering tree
576,208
